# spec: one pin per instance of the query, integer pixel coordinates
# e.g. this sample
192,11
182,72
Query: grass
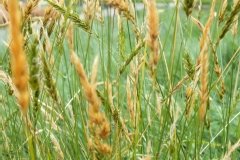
151,116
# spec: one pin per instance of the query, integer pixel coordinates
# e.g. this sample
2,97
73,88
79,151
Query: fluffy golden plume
18,58
153,27
99,126
204,64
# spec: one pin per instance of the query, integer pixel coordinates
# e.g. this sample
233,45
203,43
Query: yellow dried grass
98,123
153,32
19,64
204,64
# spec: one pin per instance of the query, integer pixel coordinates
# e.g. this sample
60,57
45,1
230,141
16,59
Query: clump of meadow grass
119,111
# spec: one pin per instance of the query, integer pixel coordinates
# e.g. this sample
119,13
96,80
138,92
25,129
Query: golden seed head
104,148
104,130
18,58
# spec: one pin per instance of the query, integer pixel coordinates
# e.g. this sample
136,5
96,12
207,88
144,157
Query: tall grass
117,80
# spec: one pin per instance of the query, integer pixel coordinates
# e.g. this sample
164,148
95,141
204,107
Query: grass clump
119,79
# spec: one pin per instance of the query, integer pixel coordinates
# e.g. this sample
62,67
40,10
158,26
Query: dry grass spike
99,126
188,6
222,12
18,58
204,64
123,7
29,8
92,10
153,33
229,21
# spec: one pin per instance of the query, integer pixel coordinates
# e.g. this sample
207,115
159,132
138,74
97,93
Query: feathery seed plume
18,58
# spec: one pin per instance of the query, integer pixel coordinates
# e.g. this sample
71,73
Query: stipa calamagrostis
204,64
99,126
18,58
153,33
19,67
